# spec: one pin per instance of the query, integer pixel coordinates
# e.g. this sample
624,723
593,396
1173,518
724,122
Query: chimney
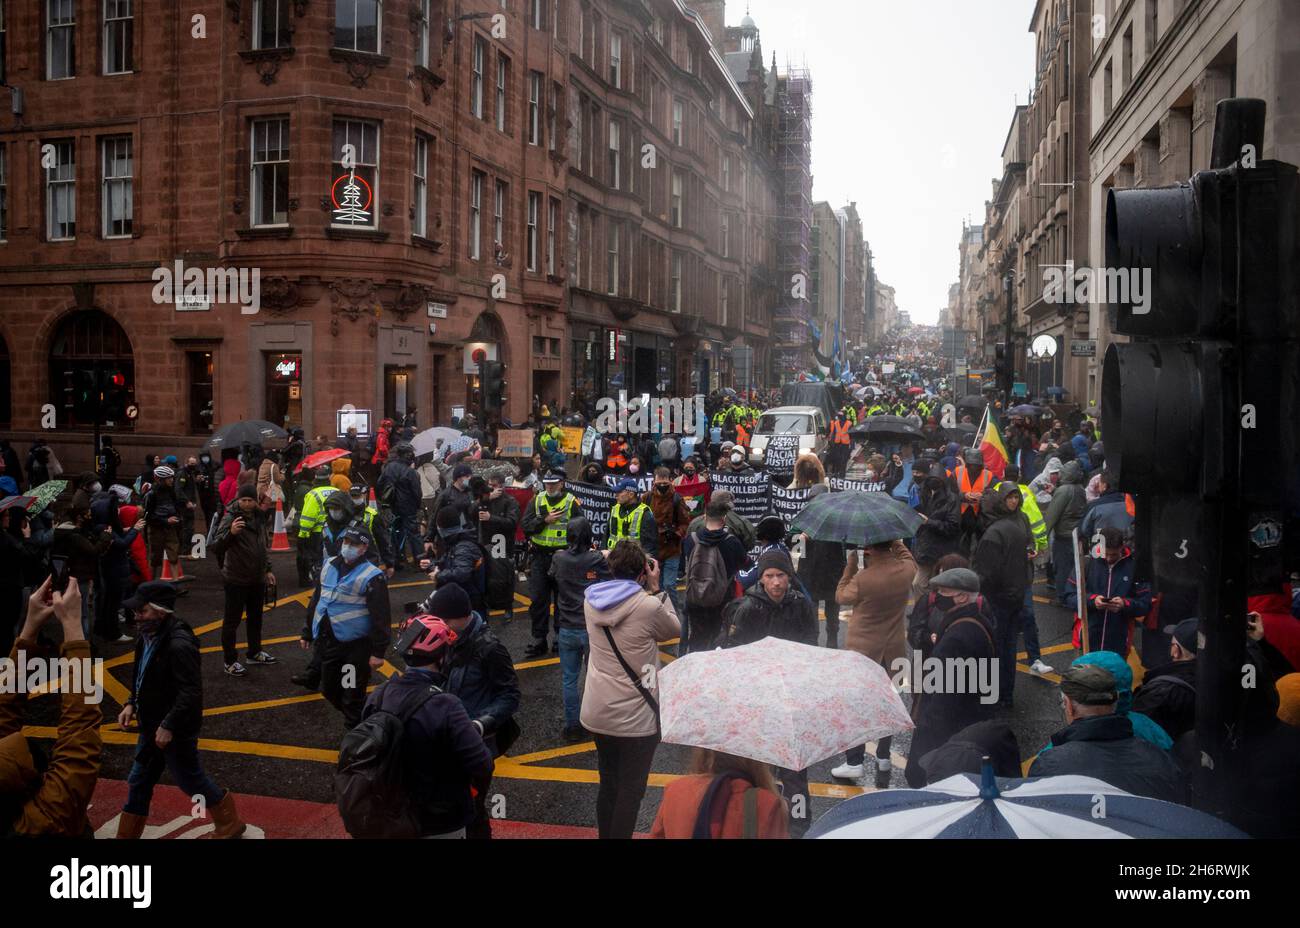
714,14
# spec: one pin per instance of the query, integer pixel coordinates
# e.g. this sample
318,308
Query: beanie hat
775,559
461,470
448,602
247,491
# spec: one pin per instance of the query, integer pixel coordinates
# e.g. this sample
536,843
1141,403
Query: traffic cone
279,538
371,501
167,569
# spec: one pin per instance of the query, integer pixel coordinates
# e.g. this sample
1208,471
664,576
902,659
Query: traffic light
494,385
1204,276
113,391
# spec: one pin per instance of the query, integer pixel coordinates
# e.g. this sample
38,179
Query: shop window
284,389
92,371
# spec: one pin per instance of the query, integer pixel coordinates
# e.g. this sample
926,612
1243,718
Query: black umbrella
885,426
972,402
251,431
962,433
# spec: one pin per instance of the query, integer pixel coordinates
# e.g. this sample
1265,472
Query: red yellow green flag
990,444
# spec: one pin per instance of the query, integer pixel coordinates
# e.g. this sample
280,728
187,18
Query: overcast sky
912,100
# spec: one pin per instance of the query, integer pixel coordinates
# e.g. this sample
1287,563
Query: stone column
1176,146
1208,89
1146,164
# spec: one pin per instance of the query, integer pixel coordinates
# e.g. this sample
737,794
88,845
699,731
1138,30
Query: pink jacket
638,621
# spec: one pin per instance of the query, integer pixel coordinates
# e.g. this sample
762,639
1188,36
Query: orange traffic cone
279,538
371,501
167,569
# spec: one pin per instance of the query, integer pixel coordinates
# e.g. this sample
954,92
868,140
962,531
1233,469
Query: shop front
607,361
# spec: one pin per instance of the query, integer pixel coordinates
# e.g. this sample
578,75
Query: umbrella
317,458
885,426
22,502
1024,409
427,440
915,390
459,443
971,806
250,431
972,401
856,517
779,702
47,493
962,433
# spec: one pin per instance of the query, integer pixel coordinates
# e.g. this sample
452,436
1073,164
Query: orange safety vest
742,435
840,432
617,457
981,484
1130,506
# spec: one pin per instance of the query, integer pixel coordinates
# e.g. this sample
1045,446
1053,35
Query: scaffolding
793,112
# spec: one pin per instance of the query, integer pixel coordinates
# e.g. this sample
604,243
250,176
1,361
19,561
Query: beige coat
878,595
611,703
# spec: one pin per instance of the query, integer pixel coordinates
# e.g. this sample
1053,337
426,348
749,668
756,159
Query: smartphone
59,574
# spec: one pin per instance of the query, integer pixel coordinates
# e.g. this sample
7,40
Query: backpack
368,782
707,582
500,593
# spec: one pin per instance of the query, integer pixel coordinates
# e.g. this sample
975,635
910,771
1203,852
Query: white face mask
349,552
737,459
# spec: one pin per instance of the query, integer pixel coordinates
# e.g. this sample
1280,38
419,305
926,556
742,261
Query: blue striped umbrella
970,806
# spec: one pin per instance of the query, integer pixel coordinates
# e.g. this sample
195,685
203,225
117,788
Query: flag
990,444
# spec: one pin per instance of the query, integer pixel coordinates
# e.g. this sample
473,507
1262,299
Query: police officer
545,525
347,624
311,519
631,518
379,527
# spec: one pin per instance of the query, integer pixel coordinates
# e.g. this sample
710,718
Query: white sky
912,100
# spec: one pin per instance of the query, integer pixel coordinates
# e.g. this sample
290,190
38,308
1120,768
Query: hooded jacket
408,493
82,547
57,798
481,673
1110,631
465,563
1104,747
1040,483
575,569
228,489
637,621
245,561
1167,696
1081,446
940,533
756,616
138,554
1002,556
1107,511
1066,505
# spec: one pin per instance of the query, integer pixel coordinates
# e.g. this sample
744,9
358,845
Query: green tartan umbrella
46,493
856,517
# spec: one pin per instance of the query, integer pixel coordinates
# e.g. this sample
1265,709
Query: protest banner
781,453
571,439
589,439
750,492
644,483
596,501
789,503
515,443
870,486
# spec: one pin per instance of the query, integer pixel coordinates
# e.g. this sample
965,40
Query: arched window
92,371
6,386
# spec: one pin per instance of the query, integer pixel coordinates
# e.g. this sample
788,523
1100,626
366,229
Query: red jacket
140,571
681,806
1281,629
228,489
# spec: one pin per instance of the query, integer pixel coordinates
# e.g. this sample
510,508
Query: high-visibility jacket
1035,516
625,524
876,410
851,414
343,600
556,534
617,456
312,519
840,433
742,435
964,485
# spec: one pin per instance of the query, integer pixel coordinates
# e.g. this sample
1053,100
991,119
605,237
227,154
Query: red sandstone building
407,180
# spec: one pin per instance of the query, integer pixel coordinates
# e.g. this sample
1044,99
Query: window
61,193
270,169
690,56
657,29
611,262
356,190
726,173
89,347
2,42
677,282
724,300
284,376
119,28
537,13
503,77
356,25
499,217
270,24
476,80
614,159
422,35
60,39
534,212
4,194
552,222
676,213
1108,80
726,235
534,107
580,128
475,214
677,122
1127,74
616,60
420,190
117,204
200,366
555,19
551,111
1152,25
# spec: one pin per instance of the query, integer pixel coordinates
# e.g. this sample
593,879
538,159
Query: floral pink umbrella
779,702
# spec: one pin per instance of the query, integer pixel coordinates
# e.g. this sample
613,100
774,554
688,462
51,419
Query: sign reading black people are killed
789,503
870,486
782,451
596,501
749,492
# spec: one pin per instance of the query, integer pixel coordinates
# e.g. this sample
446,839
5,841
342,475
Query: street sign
1086,348
192,304
1020,389
437,310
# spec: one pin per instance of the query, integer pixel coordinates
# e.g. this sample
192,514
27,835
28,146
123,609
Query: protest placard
515,443
781,453
789,503
750,492
870,486
596,501
571,439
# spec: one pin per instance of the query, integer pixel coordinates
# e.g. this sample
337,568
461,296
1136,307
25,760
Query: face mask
632,469
96,487
336,515
205,460
664,488
350,552
737,459
690,473
555,493
462,483
944,602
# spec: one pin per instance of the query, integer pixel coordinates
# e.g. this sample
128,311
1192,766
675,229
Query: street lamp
452,20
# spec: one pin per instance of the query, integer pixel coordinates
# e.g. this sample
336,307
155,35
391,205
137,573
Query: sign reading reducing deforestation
515,443
781,453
